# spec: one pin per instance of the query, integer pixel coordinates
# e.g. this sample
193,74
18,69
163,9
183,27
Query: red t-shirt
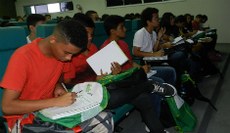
125,48
195,25
81,71
32,74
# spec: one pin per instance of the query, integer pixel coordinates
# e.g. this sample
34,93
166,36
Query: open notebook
89,97
103,58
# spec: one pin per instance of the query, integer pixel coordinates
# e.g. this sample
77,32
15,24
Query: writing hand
66,99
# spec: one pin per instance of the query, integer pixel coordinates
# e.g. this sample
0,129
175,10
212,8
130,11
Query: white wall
216,10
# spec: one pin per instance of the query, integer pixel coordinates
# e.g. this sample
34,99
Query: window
130,2
66,6
49,8
41,9
149,1
112,3
52,8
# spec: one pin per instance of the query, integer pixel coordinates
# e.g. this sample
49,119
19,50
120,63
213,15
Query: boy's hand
159,53
161,32
146,68
115,68
66,99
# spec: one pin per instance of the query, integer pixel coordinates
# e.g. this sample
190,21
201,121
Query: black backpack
189,91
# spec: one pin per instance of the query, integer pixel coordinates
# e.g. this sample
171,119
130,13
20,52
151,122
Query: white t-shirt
144,40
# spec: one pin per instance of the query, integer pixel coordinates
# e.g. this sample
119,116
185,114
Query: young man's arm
137,52
160,34
12,105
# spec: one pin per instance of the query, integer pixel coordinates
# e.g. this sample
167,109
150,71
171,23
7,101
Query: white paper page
151,73
155,58
179,101
177,40
103,58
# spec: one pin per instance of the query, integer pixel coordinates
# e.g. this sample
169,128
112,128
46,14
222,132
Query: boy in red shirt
81,71
31,81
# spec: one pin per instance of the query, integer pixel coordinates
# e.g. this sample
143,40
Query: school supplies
89,97
103,58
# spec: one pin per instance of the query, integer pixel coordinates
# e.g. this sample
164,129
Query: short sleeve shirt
32,73
144,40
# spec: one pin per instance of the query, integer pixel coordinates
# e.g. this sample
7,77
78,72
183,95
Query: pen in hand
63,85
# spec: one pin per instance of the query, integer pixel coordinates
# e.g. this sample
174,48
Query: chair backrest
10,39
53,21
99,34
136,24
44,30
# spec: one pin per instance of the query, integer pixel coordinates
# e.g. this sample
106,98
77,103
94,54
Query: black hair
147,15
165,20
73,32
204,18
112,22
84,19
104,16
180,19
90,12
199,16
32,19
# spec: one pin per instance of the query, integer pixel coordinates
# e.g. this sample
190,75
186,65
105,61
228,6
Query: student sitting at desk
32,78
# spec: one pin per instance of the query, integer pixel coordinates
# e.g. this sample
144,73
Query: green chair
45,30
10,39
99,34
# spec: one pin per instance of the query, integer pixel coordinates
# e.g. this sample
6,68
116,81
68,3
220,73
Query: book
103,58
198,34
89,97
178,40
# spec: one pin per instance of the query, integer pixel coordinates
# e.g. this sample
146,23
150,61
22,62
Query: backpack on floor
184,117
189,91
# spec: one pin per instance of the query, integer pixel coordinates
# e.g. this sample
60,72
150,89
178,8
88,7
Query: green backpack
183,115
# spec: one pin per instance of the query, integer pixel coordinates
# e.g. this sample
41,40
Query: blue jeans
165,74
